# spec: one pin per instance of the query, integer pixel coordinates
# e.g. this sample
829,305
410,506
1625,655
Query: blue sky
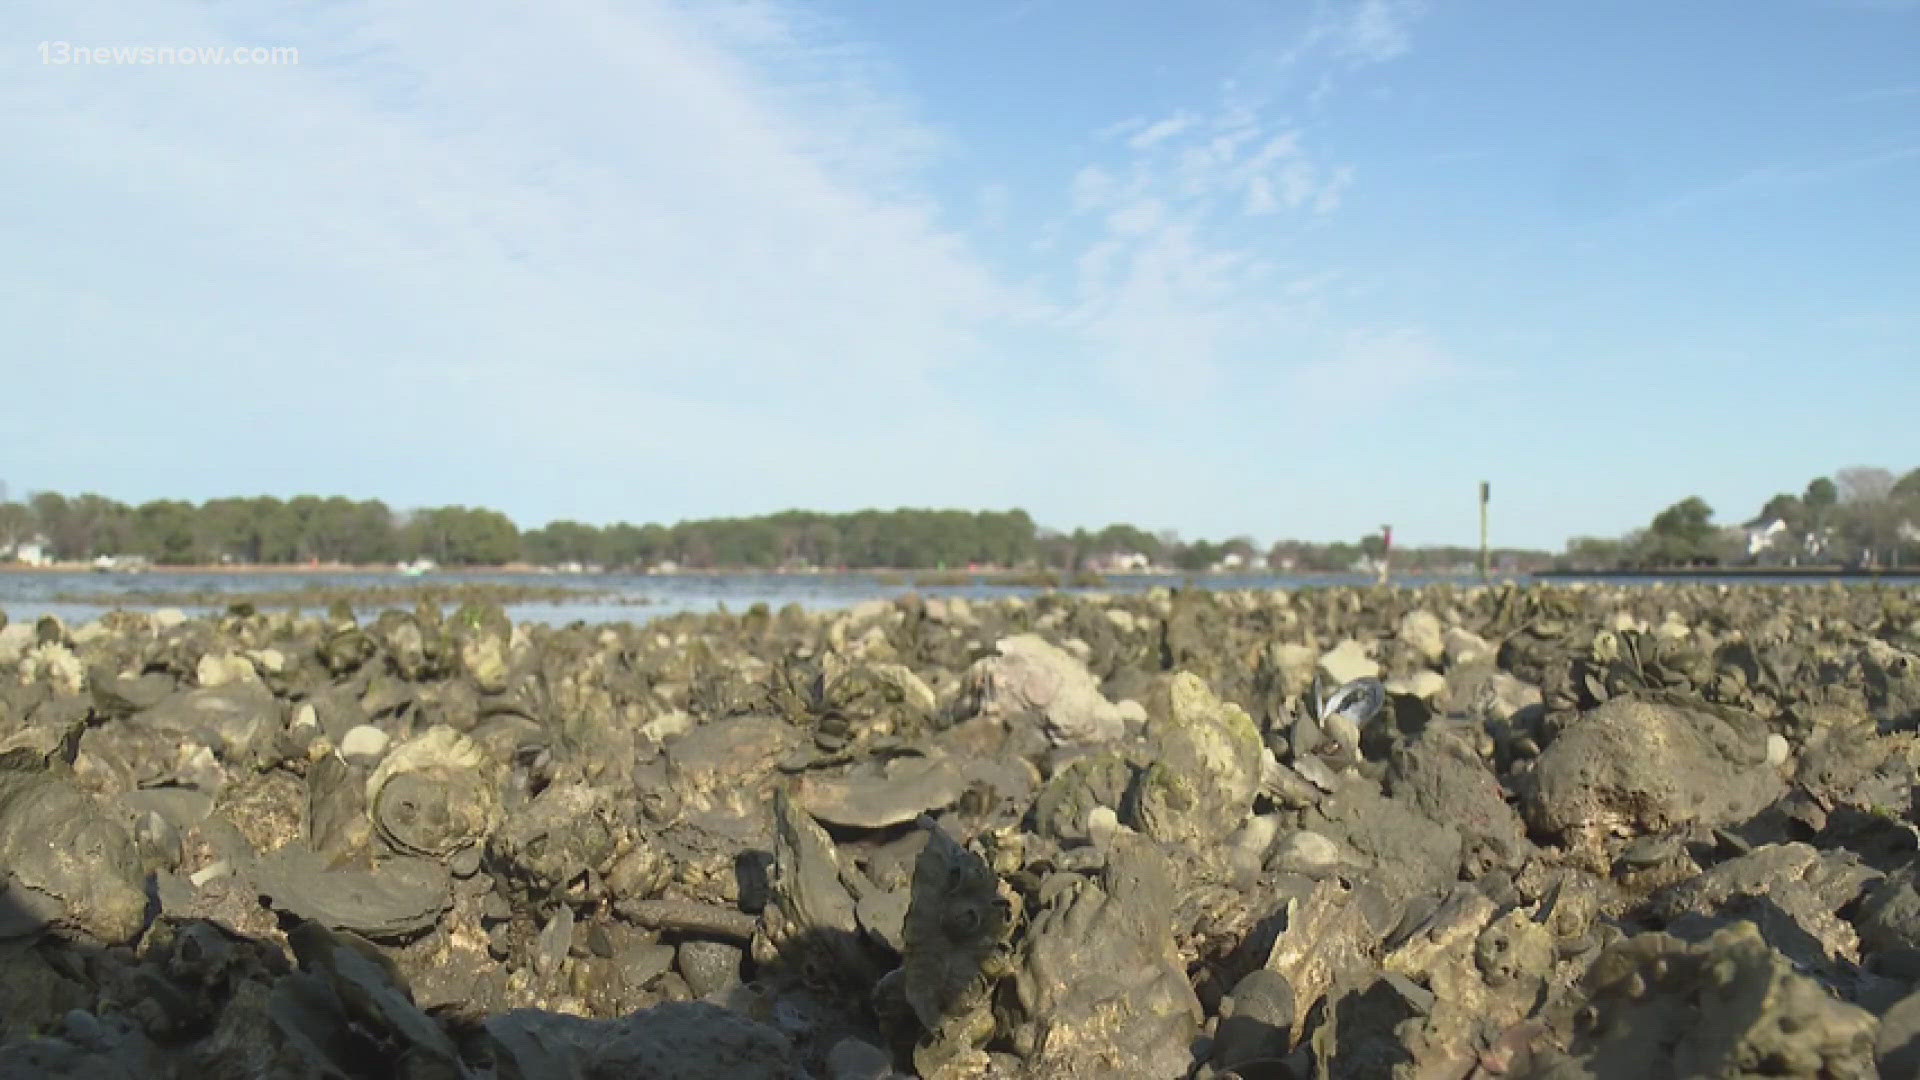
1281,269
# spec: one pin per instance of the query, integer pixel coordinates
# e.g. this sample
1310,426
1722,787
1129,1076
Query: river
77,597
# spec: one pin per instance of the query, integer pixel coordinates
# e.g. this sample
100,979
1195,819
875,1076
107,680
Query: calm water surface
80,596
606,598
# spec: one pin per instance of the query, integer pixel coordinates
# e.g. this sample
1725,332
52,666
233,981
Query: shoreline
1707,573
933,577
254,569
932,572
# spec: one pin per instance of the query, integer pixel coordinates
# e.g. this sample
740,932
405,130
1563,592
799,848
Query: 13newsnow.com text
68,53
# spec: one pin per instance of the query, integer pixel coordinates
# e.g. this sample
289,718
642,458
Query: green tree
1334,558
1054,549
1868,521
278,529
1597,553
167,531
1906,490
299,518
331,528
563,542
1821,496
83,527
1690,519
1198,555
52,516
1785,507
231,529
631,546
266,530
1014,535
458,536
370,534
1680,534
1123,539
16,524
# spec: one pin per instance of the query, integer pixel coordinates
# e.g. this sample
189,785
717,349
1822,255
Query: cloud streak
635,255
751,221
1372,31
1175,292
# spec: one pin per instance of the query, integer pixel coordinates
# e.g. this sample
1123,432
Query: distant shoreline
389,569
1694,572
238,569
933,576
925,574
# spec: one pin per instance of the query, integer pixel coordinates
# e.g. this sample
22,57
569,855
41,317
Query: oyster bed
1546,831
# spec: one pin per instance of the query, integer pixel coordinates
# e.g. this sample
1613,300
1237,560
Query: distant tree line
261,530
308,529
865,539
1859,516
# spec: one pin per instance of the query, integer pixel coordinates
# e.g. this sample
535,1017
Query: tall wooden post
1483,530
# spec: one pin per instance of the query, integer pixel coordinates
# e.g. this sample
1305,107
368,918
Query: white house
1120,562
1762,537
32,552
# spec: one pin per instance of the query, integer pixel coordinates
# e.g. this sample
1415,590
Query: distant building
1119,562
31,552
1233,560
1762,537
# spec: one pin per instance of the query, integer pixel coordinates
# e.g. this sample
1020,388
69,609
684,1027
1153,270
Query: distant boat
120,564
416,567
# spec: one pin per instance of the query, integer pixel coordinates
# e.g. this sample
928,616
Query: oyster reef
1425,833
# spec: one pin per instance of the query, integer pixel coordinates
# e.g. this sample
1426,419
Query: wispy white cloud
1776,176
1374,30
668,248
652,212
1181,217
1160,131
1359,31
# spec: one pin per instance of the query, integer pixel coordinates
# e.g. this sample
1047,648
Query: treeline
267,530
1340,557
262,530
866,539
1862,516
309,529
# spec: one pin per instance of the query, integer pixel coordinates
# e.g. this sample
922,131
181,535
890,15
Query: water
77,597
